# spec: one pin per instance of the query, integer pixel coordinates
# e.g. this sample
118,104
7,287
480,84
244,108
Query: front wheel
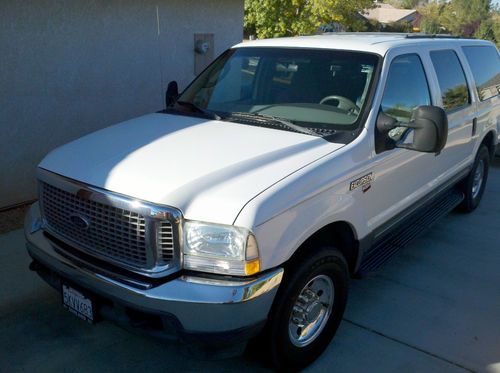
473,186
307,310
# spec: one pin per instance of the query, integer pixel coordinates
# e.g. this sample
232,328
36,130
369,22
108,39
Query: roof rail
396,34
431,36
364,33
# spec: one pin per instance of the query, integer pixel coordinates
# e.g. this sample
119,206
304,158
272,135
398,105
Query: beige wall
70,67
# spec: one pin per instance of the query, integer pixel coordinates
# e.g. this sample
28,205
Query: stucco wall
70,67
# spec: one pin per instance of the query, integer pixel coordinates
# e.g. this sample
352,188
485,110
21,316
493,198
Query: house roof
386,13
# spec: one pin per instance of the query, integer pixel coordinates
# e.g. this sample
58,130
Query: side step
408,229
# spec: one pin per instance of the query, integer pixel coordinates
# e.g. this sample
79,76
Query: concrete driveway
434,308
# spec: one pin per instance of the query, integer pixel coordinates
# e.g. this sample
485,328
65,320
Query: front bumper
194,305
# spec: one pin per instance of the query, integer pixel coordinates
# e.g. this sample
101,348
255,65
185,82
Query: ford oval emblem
79,221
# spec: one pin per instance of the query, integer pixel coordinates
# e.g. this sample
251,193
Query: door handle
474,127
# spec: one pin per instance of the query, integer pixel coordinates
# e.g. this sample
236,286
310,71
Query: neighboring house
386,14
72,67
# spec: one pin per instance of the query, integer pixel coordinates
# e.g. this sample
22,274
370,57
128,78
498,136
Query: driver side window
406,87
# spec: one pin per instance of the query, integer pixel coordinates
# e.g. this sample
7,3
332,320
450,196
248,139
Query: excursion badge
364,182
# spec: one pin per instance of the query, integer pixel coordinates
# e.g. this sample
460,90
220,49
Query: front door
401,176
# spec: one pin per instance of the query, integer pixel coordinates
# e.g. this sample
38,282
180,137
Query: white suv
242,209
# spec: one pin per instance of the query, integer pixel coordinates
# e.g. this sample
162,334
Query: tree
430,26
458,17
490,30
273,18
406,4
400,26
495,19
462,17
431,18
410,4
485,31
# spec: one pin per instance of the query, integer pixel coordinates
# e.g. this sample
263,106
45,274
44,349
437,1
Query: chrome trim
152,213
242,290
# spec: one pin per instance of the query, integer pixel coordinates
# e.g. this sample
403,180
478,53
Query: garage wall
71,67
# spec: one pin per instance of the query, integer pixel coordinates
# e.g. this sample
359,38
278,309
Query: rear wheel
473,186
307,310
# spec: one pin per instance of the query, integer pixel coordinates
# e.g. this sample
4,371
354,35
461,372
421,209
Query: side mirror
430,129
172,93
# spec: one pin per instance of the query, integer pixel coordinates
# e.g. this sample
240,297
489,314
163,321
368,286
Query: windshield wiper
272,119
207,113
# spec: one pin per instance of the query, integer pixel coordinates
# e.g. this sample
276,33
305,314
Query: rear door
455,97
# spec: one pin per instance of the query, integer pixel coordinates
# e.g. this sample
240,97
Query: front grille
106,231
165,242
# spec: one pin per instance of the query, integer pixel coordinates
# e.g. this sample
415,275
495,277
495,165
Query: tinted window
451,78
406,87
485,66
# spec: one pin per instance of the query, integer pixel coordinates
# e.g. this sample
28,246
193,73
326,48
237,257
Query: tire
473,186
327,267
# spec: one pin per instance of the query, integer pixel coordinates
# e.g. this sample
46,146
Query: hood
207,169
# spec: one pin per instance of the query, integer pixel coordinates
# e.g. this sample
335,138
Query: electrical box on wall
203,51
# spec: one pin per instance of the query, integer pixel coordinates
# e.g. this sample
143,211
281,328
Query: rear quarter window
484,62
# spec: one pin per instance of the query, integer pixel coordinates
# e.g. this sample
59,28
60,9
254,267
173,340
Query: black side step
409,229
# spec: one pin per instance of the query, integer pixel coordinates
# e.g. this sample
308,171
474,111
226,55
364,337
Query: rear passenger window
406,87
485,66
451,78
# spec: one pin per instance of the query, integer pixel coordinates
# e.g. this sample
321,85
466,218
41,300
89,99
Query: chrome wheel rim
311,311
478,179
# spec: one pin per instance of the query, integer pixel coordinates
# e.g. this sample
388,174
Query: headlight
222,249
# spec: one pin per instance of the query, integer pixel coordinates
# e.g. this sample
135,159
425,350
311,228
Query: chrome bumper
200,305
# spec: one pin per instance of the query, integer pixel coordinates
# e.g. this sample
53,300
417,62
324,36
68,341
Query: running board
409,229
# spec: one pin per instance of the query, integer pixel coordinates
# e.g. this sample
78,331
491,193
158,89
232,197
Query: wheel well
339,235
489,141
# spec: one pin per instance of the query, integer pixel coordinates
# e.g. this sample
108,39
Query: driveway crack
409,345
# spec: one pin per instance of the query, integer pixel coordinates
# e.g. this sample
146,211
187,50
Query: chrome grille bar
165,242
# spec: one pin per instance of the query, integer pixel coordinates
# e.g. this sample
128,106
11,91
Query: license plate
77,303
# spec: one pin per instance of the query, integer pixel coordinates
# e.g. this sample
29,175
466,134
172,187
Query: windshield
316,89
